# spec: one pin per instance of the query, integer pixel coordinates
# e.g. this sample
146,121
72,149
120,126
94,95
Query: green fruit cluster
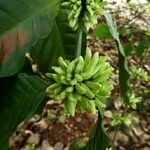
119,120
82,82
140,74
90,11
133,100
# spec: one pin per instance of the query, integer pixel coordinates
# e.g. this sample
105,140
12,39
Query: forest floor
51,131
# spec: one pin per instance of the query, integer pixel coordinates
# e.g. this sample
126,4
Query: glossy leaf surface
22,23
123,68
61,41
19,100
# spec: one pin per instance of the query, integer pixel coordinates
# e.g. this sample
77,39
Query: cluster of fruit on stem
81,83
85,11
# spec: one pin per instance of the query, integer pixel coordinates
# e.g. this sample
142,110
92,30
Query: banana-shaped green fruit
74,82
91,107
88,93
57,90
81,90
70,104
81,83
89,69
49,75
52,87
98,103
62,95
65,4
103,76
88,56
95,86
87,105
78,77
62,63
70,69
54,76
100,65
80,66
58,70
105,90
70,89
103,66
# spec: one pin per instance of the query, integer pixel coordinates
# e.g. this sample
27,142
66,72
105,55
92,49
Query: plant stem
79,41
118,128
114,138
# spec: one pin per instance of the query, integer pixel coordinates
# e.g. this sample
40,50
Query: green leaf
123,68
22,23
61,41
128,48
77,145
142,46
19,100
69,37
100,140
47,50
102,32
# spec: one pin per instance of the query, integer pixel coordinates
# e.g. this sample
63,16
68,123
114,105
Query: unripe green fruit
90,14
81,81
